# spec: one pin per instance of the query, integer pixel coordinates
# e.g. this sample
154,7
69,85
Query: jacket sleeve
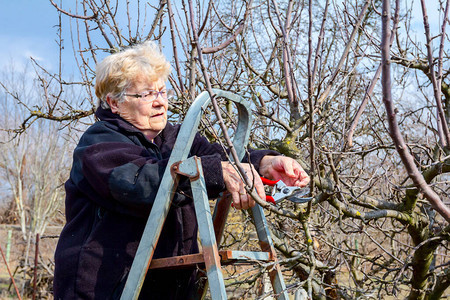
122,176
115,172
128,172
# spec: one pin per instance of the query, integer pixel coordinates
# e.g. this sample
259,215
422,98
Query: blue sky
27,28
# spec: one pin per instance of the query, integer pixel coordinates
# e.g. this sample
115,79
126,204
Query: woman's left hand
284,168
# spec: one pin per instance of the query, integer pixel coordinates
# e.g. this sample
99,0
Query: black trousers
173,284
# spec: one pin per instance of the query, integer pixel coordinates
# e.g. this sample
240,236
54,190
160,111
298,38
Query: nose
160,100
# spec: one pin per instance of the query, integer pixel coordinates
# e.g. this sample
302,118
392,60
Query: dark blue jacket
114,179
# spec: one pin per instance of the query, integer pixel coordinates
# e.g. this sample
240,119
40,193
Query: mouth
158,115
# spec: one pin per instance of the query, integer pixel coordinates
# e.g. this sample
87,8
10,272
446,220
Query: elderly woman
117,168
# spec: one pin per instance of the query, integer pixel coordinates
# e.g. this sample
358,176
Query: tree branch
402,149
94,16
345,52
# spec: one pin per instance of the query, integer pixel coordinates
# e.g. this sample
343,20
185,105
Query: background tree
34,164
33,168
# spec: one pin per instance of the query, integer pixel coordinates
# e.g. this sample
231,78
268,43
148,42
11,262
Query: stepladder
210,226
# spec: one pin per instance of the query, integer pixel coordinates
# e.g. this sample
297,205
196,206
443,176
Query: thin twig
443,131
345,52
72,15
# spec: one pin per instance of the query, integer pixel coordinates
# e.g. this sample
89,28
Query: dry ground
15,249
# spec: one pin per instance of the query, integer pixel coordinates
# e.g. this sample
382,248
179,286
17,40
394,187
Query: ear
113,104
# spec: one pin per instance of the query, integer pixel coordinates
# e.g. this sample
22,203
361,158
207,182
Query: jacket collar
108,116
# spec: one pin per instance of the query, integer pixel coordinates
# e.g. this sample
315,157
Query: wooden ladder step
226,257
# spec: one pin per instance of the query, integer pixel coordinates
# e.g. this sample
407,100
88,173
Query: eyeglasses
152,95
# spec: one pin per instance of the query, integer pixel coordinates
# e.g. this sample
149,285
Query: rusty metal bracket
188,168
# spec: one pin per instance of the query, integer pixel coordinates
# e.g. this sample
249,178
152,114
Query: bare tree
377,149
35,164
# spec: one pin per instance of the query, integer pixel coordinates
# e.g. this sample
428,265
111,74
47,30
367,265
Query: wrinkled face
148,116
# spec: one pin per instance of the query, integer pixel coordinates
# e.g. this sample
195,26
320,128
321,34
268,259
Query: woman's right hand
236,186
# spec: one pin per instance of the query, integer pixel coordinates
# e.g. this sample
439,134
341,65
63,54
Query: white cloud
36,57
18,50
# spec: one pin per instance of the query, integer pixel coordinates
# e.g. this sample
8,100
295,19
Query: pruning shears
280,192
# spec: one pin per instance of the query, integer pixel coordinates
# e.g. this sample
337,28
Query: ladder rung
227,257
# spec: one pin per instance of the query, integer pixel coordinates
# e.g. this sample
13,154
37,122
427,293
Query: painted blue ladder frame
167,188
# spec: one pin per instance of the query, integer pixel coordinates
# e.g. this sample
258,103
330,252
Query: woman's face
148,116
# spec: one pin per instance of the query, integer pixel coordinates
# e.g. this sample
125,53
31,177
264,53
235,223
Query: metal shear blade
299,197
280,192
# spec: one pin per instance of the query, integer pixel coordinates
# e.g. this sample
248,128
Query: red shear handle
270,199
268,181
271,183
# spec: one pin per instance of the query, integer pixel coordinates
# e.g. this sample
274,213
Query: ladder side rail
240,140
220,215
193,167
266,243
